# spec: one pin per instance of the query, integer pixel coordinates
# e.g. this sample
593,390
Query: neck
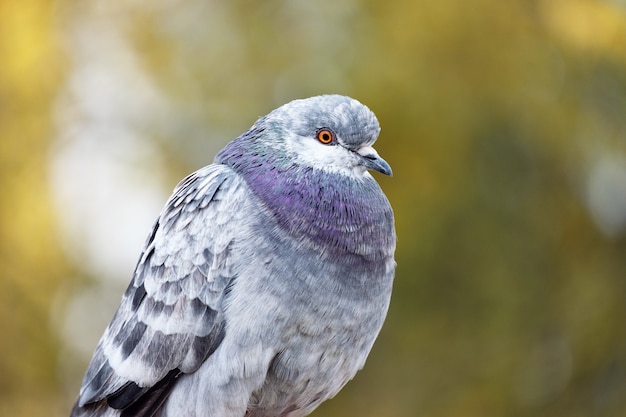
337,212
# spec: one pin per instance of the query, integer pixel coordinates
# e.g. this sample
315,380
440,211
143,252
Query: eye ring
325,136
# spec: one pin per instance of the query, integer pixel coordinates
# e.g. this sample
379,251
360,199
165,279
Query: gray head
331,133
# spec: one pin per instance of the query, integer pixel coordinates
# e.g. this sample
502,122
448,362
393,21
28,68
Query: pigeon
265,280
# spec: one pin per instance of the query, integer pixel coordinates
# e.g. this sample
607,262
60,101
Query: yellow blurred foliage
31,265
588,25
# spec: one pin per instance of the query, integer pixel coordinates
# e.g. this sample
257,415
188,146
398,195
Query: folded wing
171,316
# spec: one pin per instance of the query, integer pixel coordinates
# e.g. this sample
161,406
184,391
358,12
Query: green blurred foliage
509,299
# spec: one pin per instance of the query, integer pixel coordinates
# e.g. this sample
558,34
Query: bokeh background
505,124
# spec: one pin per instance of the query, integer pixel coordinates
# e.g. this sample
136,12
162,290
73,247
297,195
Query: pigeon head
331,133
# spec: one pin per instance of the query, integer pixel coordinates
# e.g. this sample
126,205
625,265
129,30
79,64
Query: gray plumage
265,280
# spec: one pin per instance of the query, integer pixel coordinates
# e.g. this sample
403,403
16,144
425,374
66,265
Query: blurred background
505,124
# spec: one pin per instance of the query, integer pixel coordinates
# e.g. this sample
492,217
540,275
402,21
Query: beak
371,160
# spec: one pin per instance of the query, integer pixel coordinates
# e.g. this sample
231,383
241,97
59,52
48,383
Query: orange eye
325,136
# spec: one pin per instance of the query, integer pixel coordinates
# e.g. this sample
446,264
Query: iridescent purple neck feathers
345,215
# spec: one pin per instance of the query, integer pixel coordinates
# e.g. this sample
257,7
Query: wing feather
171,316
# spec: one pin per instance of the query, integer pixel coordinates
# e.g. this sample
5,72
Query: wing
171,316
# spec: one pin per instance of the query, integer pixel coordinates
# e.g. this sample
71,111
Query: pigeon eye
325,136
